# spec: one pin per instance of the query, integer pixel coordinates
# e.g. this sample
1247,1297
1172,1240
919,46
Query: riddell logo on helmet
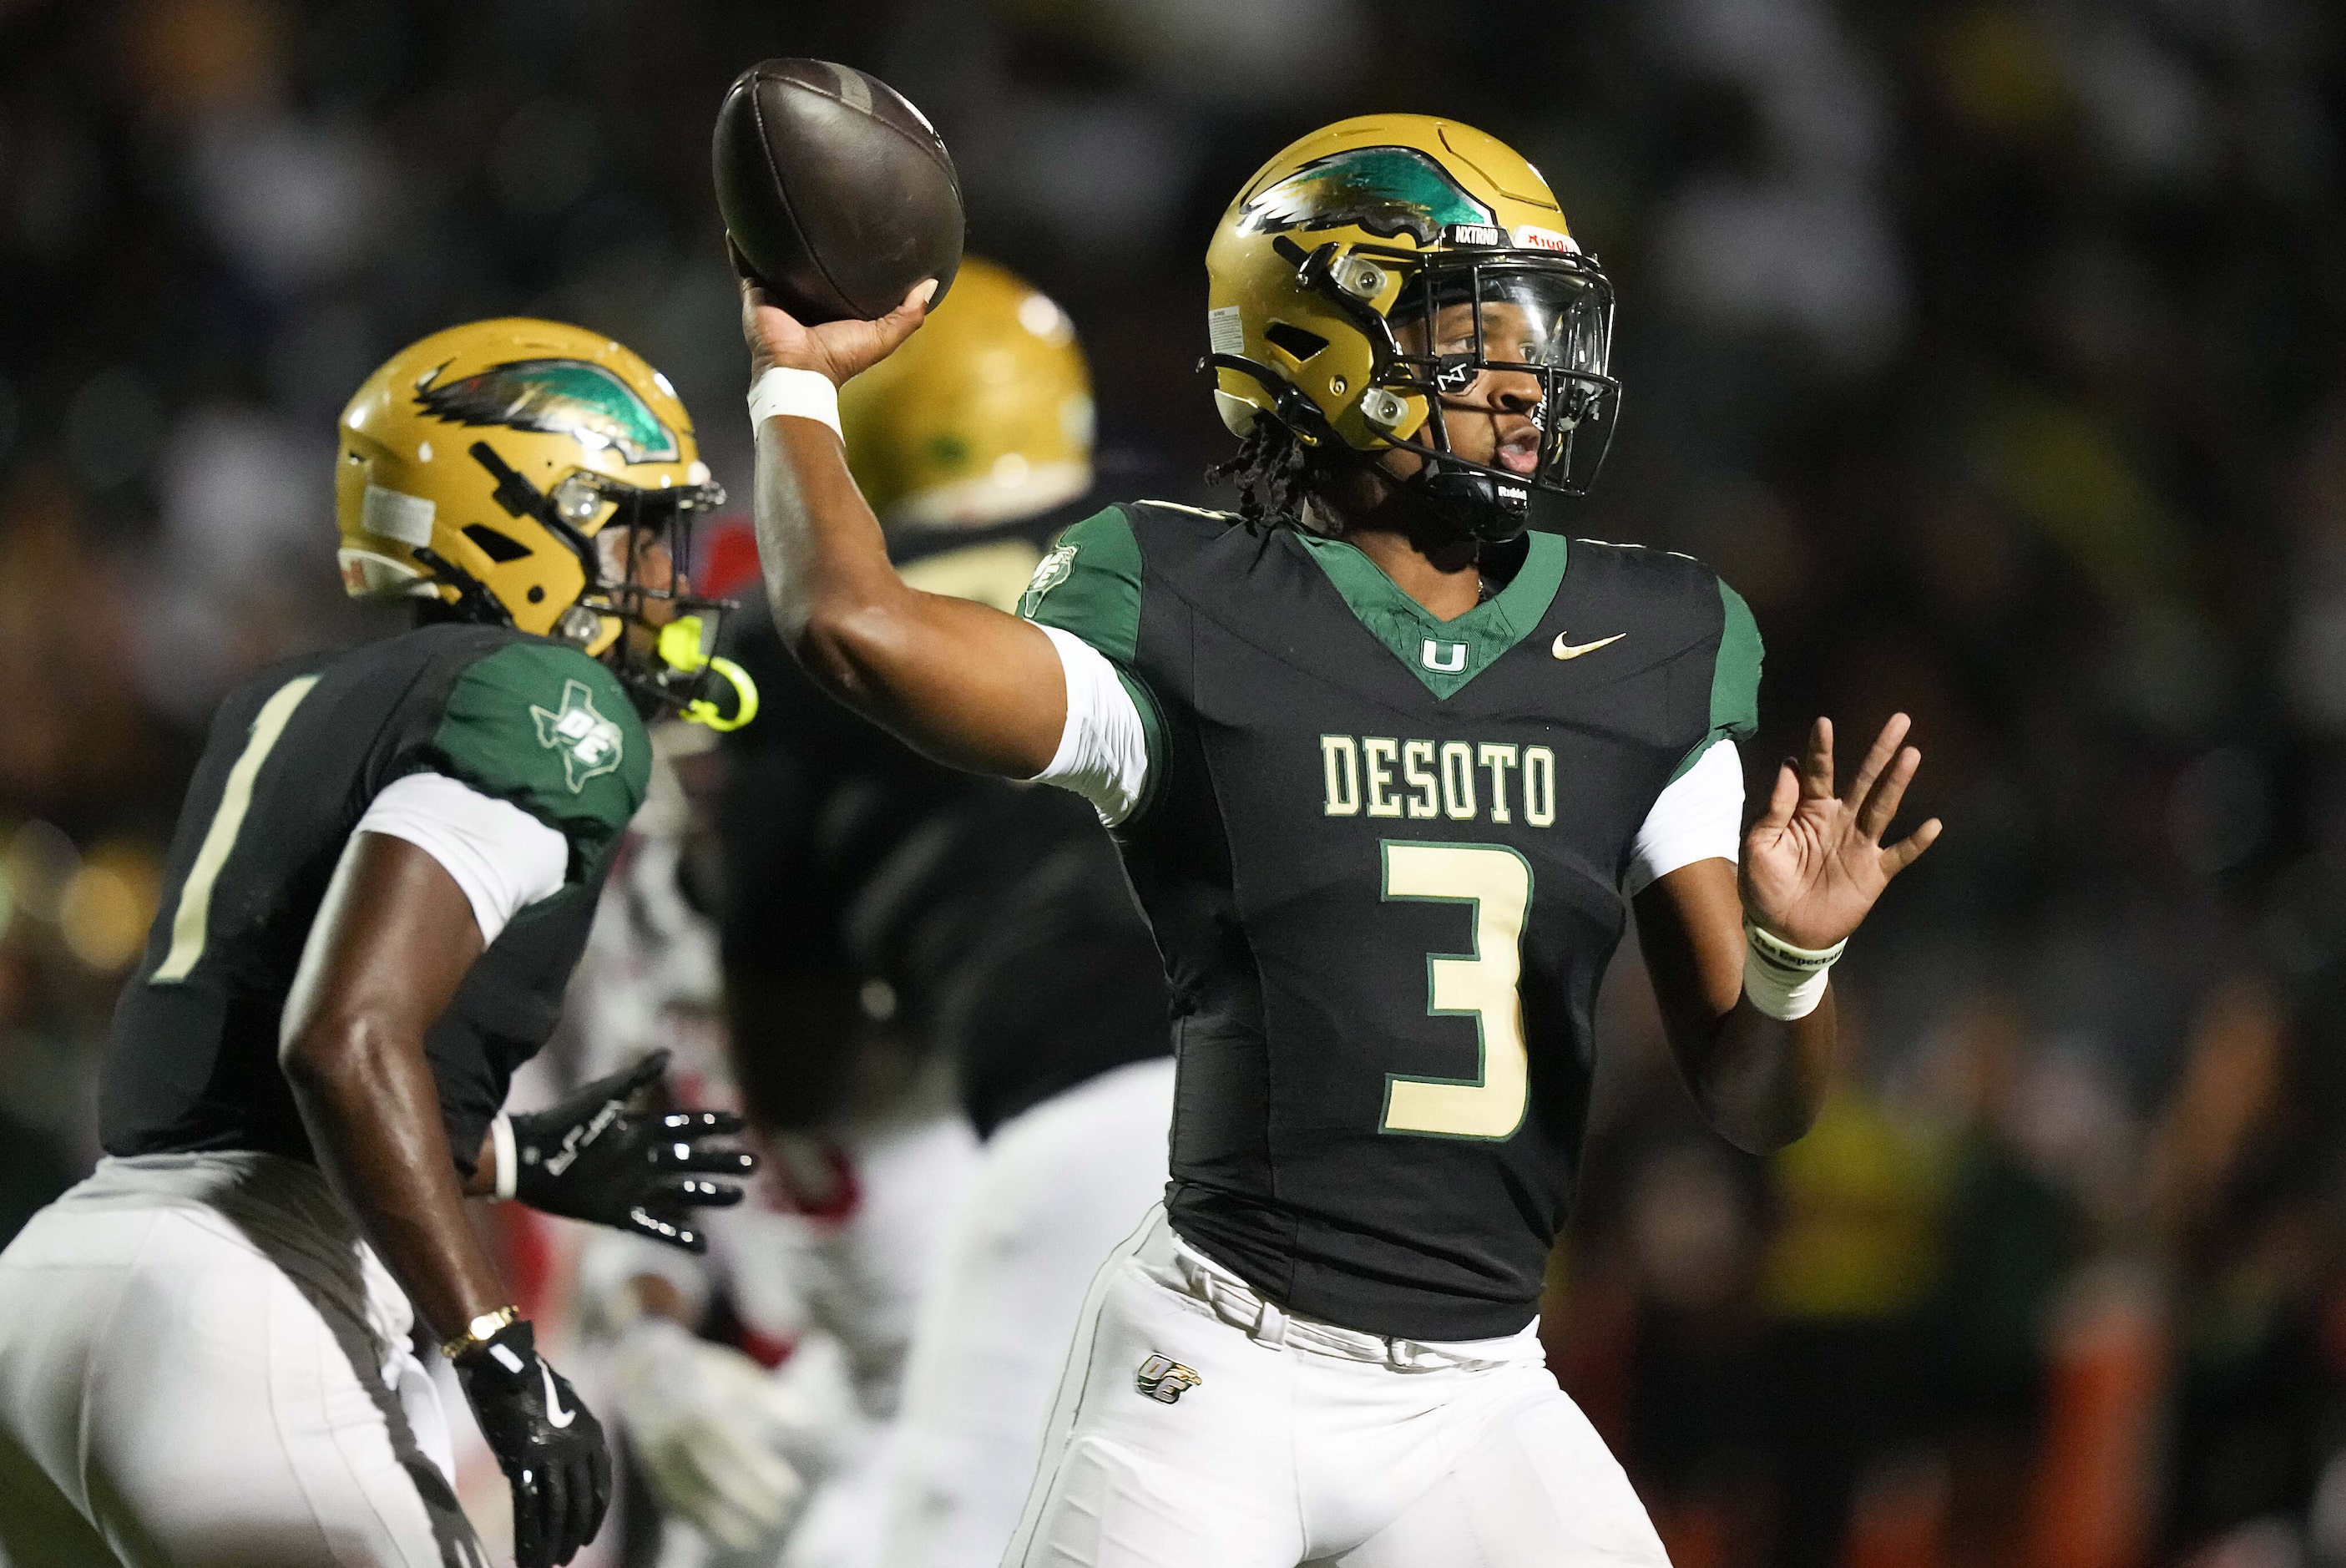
1532,237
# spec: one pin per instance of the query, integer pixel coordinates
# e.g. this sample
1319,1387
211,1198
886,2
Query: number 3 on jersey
1482,984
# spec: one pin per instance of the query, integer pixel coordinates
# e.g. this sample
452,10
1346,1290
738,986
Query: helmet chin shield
1509,351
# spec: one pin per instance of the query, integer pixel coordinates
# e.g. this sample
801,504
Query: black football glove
549,1445
591,1158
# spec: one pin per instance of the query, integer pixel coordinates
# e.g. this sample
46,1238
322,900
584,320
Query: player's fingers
624,1084
642,1074
905,320
1877,758
598,1493
689,1154
646,1221
1908,850
554,1514
1782,798
529,1517
584,1512
561,1527
702,1123
1817,762
1873,818
696,1192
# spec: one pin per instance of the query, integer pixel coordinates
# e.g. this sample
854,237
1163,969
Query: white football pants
1055,1189
1270,1441
201,1363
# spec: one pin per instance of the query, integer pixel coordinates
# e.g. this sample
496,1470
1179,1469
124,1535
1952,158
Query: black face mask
679,675
1483,335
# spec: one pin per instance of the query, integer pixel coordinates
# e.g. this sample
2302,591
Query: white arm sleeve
1698,817
1102,753
503,858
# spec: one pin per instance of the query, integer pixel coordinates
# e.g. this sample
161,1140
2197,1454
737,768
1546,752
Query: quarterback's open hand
589,1158
839,349
1814,864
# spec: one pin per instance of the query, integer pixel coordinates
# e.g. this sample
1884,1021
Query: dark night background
1994,349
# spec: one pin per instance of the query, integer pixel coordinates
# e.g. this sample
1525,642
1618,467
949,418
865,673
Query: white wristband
1782,981
806,394
507,1158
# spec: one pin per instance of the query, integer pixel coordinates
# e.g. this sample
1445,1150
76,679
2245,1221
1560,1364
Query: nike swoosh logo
1571,650
554,1413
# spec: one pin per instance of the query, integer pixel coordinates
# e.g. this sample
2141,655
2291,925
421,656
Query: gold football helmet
983,416
510,471
1385,263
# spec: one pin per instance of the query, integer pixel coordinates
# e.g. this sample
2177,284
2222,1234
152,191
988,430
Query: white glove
706,1424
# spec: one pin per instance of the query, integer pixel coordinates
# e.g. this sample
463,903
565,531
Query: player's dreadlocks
1272,471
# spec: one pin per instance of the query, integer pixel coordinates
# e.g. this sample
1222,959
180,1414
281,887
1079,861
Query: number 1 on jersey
190,926
1482,984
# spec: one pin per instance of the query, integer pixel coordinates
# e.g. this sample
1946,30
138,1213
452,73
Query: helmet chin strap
1480,505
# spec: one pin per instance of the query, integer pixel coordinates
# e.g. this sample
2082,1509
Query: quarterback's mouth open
1520,453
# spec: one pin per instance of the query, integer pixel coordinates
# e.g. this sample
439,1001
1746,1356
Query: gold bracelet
480,1331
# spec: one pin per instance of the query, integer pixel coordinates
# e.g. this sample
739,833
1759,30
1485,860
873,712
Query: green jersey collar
1444,655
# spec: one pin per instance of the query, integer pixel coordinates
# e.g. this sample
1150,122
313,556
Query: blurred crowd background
1995,349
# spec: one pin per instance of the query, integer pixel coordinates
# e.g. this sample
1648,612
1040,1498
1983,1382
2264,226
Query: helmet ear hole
1296,341
498,547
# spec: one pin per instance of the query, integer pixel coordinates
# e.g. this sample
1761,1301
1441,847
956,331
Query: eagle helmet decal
556,397
1388,192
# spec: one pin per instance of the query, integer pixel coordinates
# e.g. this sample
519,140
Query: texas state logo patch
590,744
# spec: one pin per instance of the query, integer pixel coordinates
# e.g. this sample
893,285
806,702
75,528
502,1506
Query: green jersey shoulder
545,726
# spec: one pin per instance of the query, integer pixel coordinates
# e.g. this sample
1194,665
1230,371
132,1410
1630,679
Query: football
837,193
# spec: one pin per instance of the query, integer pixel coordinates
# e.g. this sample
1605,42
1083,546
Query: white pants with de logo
1301,1442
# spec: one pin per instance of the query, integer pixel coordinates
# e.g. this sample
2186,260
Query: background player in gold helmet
988,422
383,876
1385,769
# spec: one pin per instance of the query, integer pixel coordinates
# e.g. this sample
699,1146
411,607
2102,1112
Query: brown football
838,194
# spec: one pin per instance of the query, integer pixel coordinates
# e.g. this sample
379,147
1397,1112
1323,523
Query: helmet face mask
1510,352
633,545
1401,284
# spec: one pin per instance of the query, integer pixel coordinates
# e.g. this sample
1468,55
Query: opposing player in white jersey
382,878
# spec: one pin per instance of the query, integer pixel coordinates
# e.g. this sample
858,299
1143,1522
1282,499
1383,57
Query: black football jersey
295,756
997,913
1382,853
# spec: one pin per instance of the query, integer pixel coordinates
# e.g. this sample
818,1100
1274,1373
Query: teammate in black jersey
383,874
849,858
994,923
1384,766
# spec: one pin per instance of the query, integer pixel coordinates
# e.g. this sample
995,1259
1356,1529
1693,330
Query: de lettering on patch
590,744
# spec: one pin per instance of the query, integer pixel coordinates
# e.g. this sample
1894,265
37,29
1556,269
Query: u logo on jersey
1444,658
1165,1379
